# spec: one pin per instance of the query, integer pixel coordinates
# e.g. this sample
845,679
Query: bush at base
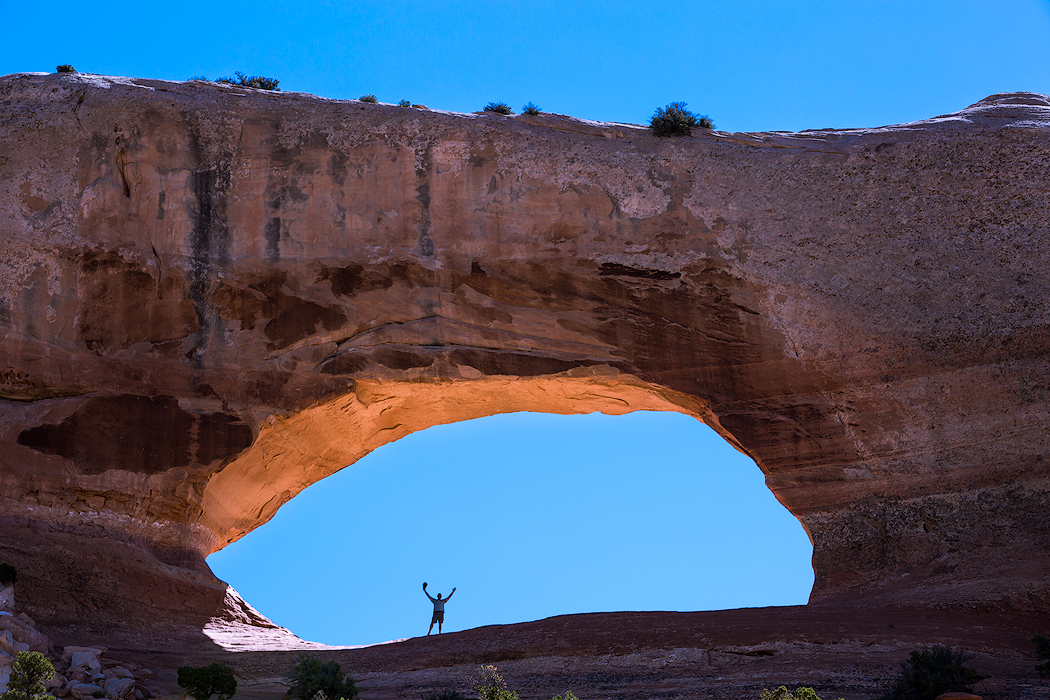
1042,653
311,676
8,575
491,686
782,693
202,682
931,671
29,672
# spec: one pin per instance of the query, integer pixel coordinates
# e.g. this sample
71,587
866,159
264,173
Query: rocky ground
850,653
80,671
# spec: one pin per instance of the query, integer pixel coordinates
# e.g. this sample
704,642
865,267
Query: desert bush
311,676
531,109
676,120
448,694
1042,653
498,108
568,696
252,81
368,98
782,693
8,575
198,78
404,103
931,671
489,685
30,671
65,68
202,682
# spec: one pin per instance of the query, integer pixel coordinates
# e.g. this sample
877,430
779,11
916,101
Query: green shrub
198,78
1042,653
65,68
448,694
568,696
368,98
531,109
489,685
8,575
310,676
676,120
782,693
498,108
30,671
931,671
202,682
252,81
404,103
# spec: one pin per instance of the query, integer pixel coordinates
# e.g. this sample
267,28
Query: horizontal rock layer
211,297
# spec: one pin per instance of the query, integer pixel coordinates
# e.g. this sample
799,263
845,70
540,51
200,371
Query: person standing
439,609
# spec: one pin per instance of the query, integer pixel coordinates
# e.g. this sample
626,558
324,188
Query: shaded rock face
212,296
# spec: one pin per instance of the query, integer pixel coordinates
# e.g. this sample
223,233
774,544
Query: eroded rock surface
211,297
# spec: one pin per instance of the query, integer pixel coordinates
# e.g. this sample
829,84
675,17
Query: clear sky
533,516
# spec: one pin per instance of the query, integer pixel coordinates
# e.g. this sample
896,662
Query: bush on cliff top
65,68
676,120
251,81
498,108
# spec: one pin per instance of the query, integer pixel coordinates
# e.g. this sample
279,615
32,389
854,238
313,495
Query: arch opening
529,515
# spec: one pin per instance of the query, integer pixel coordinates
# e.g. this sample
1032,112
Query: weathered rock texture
211,297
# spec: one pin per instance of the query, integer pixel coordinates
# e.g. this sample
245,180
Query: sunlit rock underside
211,297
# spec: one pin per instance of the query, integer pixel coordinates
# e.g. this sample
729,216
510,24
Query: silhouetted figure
439,609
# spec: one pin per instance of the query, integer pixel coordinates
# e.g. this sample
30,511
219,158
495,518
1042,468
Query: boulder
84,690
7,598
24,634
117,687
99,651
6,661
7,642
87,660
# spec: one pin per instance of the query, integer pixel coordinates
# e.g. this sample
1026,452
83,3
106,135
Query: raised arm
451,594
428,595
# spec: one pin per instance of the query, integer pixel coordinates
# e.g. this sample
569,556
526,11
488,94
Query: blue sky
533,516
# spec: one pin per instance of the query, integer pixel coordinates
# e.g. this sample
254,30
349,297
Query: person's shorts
439,617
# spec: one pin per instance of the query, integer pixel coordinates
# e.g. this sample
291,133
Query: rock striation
212,297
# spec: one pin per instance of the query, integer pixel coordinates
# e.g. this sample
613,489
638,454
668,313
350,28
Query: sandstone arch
212,296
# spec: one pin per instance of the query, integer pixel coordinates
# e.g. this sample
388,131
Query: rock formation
212,297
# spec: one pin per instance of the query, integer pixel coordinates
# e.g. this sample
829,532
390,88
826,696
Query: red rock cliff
211,297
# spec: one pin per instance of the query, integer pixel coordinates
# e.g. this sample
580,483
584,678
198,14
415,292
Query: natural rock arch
212,296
